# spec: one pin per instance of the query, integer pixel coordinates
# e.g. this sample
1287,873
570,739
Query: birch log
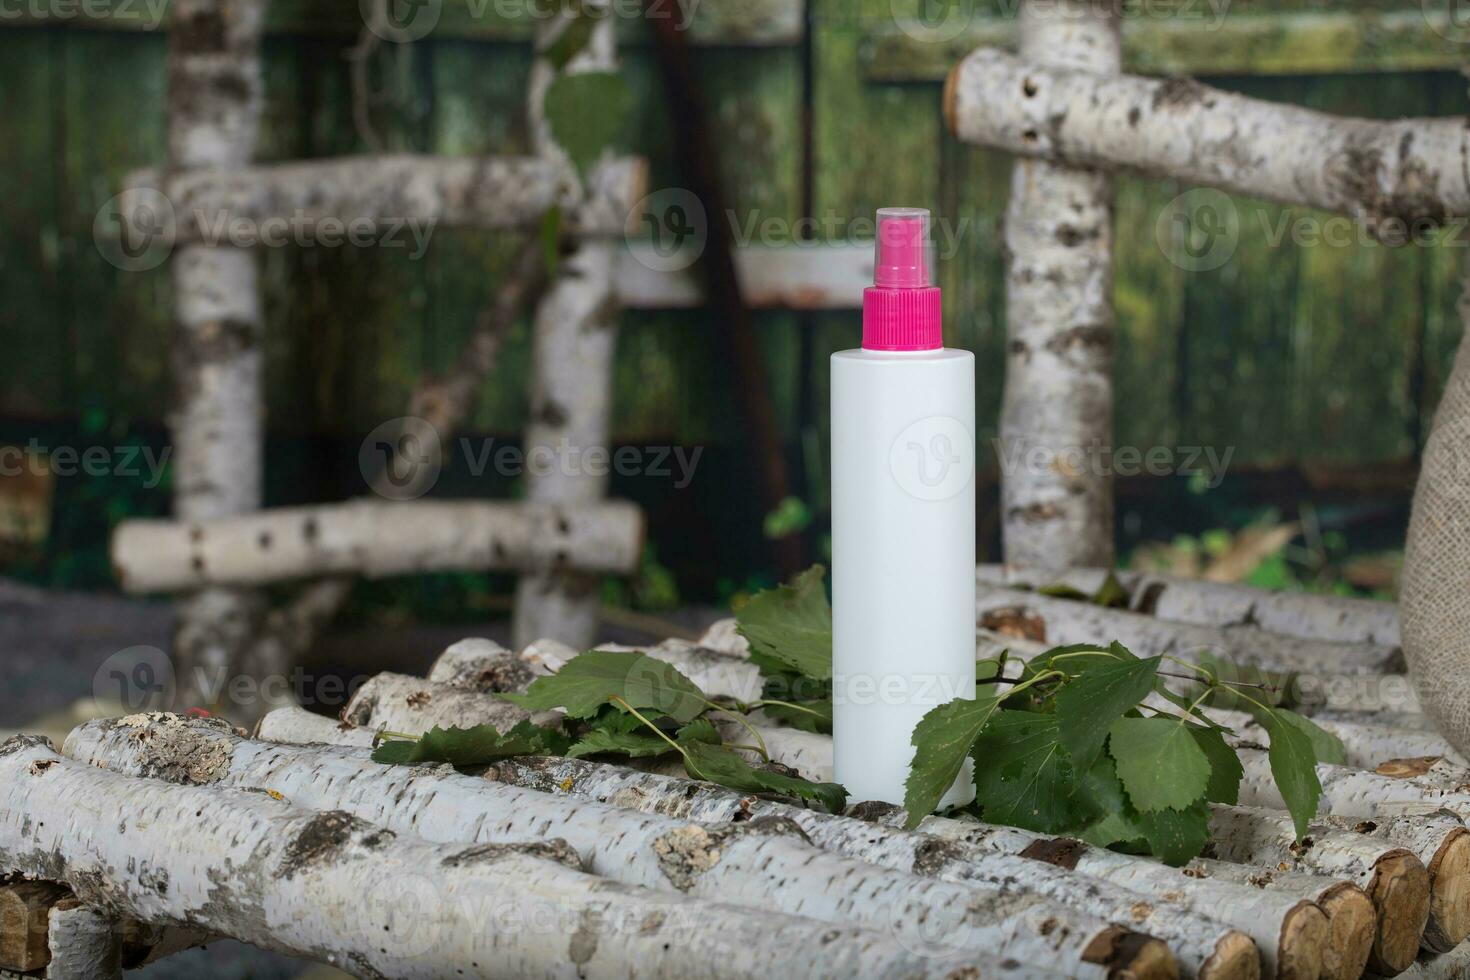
573,338
411,706
1365,746
329,887
1056,510
1352,920
747,864
716,674
1204,947
1400,176
213,109
376,538
295,725
398,199
1393,877
84,943
25,914
1069,621
1341,619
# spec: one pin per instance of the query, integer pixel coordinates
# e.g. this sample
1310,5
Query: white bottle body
903,558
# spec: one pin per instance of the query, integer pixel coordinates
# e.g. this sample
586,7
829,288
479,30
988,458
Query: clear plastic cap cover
903,251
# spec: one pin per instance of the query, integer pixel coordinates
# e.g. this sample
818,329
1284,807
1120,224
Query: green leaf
1294,767
477,746
1159,762
1062,591
1326,746
1225,768
791,516
1119,821
699,730
808,716
1025,778
1111,593
718,764
570,42
792,624
1175,836
635,745
587,112
589,681
1099,696
941,741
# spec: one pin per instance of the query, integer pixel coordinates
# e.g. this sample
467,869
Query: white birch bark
1342,619
376,538
84,943
1365,746
484,665
1351,918
411,706
1397,175
294,725
722,637
1058,401
573,337
1071,621
748,864
401,197
1204,947
330,887
217,424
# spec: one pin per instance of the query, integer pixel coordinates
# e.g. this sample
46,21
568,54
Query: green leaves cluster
1070,743
1071,747
624,704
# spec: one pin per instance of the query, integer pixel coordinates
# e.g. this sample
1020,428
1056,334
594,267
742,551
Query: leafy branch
1084,740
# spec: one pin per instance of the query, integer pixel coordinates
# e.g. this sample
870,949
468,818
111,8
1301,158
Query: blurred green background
1317,365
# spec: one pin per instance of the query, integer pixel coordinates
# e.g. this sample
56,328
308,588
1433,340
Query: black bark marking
321,840
1177,93
553,414
1064,852
934,854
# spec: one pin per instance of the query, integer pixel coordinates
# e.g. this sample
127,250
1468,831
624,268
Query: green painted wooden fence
1290,352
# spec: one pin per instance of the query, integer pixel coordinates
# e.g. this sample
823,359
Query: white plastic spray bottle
903,520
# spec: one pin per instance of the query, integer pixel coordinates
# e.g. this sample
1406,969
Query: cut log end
1449,894
1125,953
1400,893
1235,958
1351,925
1303,936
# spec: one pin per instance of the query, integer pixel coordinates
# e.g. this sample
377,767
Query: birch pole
332,888
746,864
214,106
573,339
1058,401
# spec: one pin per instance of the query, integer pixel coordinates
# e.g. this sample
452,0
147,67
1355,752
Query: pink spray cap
901,310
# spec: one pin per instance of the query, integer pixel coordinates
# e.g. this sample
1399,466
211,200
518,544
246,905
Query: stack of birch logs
151,833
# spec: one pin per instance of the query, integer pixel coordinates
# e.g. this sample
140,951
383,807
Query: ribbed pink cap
901,310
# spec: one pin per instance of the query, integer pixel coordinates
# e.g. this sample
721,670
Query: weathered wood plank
35,376
1202,41
712,22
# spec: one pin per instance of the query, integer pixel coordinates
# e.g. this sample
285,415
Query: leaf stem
385,735
740,720
615,699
